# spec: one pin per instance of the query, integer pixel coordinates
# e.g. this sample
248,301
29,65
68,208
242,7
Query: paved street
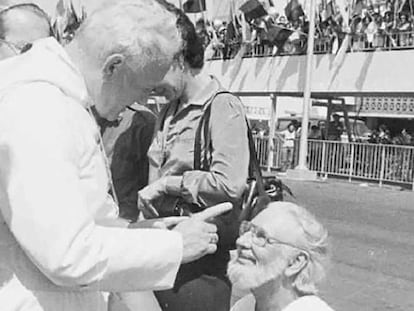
372,232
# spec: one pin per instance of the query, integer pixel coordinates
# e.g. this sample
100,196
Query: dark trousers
205,293
200,286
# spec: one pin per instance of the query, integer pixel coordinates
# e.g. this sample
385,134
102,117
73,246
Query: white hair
314,240
141,30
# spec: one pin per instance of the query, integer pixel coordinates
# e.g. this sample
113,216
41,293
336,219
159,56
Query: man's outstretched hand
199,237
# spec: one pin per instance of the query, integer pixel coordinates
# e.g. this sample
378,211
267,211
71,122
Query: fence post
269,150
272,128
412,181
410,168
382,165
323,156
351,165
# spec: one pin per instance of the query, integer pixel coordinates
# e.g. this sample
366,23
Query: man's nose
245,240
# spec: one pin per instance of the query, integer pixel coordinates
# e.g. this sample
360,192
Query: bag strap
254,166
254,163
204,125
251,208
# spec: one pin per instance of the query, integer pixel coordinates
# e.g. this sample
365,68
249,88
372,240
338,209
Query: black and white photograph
206,155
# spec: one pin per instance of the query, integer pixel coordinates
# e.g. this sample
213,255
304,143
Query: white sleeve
46,210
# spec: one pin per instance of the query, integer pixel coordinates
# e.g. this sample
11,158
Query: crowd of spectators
383,135
372,25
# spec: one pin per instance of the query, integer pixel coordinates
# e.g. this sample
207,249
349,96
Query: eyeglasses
260,236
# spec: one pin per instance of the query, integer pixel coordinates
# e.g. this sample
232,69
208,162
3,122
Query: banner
253,9
194,6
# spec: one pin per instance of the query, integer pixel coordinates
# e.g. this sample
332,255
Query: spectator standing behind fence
322,128
404,138
335,128
315,132
371,31
176,187
404,27
288,146
379,41
384,135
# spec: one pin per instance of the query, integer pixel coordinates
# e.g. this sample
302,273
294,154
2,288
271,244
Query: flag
404,6
330,9
194,6
253,9
232,31
278,35
358,7
293,10
245,29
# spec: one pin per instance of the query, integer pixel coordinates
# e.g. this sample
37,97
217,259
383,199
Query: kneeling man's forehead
278,221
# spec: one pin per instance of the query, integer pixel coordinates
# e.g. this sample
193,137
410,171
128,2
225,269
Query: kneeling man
281,257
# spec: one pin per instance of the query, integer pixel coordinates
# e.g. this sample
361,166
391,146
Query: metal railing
269,155
395,40
322,46
386,41
383,163
374,162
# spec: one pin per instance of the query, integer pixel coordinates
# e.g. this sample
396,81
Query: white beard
248,277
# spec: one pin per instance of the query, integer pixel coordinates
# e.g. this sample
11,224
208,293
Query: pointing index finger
213,211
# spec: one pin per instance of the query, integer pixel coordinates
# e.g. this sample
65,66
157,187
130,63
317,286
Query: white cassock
55,252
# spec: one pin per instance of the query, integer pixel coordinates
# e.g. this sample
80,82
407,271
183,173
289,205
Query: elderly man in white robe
60,244
281,258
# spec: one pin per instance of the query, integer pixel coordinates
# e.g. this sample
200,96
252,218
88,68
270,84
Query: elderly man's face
126,85
172,85
257,263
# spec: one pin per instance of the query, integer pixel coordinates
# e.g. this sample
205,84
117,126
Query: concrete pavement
372,231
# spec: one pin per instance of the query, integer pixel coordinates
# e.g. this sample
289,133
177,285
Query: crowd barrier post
323,157
382,169
351,164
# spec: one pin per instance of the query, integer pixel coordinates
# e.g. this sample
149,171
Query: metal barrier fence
358,43
375,162
382,41
322,46
269,156
383,163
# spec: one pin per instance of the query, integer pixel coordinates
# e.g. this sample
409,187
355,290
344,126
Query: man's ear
112,64
297,264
